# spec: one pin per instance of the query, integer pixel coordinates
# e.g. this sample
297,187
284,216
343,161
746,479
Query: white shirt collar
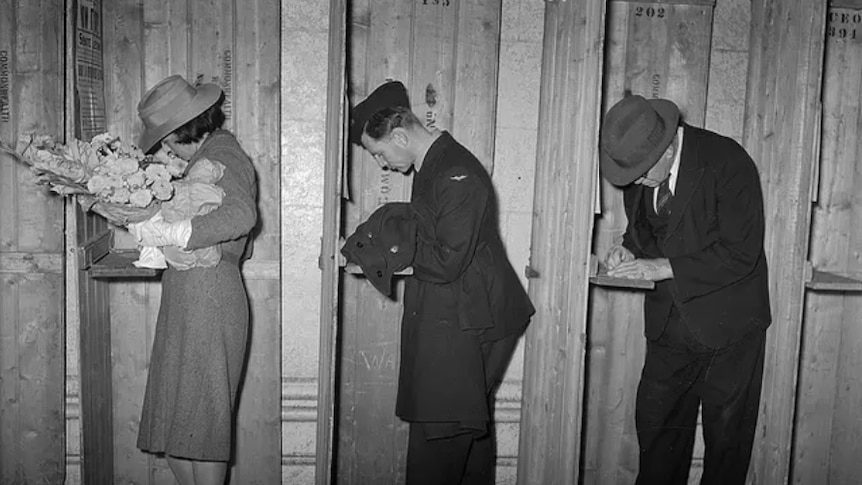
674,168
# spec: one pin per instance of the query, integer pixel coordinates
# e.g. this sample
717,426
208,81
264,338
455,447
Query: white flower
99,185
126,166
137,179
156,172
120,196
141,197
102,139
162,189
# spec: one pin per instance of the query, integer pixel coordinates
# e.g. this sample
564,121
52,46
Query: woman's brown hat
635,132
170,104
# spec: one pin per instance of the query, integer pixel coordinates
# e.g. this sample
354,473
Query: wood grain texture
781,134
203,41
32,428
656,51
477,58
569,113
336,153
381,47
826,421
446,54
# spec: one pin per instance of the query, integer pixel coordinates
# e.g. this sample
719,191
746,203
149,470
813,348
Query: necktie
662,203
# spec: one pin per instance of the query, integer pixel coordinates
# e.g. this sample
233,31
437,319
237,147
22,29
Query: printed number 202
649,12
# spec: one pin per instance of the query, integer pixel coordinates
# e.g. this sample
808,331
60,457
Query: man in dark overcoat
695,227
464,305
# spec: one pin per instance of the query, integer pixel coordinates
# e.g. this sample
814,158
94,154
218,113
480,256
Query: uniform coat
714,241
463,299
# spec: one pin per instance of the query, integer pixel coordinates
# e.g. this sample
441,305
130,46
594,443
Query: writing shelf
352,268
117,263
826,281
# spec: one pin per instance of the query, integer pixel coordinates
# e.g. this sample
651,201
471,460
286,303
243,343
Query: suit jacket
463,297
714,242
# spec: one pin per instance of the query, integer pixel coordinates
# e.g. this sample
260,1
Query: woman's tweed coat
200,342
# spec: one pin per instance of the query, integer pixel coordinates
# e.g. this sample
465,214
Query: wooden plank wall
425,44
827,421
656,51
31,249
88,365
337,122
569,112
203,40
379,36
782,133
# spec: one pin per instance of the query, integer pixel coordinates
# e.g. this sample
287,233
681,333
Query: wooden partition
236,45
31,248
827,425
445,52
656,51
782,134
549,449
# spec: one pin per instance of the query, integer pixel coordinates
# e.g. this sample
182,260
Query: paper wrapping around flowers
110,177
151,257
194,195
118,214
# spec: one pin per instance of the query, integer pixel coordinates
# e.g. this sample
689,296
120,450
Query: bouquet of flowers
110,177
195,194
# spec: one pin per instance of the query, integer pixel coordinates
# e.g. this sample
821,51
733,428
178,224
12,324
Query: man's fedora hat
635,132
170,104
391,94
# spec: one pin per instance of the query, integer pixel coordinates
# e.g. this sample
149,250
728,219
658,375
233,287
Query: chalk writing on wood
4,85
655,86
384,195
227,80
378,361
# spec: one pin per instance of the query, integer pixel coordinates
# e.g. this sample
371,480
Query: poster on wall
89,72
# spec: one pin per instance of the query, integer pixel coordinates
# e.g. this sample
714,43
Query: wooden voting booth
445,52
114,52
655,50
826,423
583,351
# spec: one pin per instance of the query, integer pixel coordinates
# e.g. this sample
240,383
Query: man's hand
643,269
616,255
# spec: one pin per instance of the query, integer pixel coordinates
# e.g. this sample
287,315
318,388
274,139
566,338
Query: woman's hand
155,231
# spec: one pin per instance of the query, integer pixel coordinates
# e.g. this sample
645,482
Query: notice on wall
89,71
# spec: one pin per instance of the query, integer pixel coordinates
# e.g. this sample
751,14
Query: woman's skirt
196,364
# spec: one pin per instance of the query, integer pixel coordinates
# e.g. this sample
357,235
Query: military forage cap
383,244
391,94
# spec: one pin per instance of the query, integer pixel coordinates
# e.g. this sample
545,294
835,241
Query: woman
200,340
